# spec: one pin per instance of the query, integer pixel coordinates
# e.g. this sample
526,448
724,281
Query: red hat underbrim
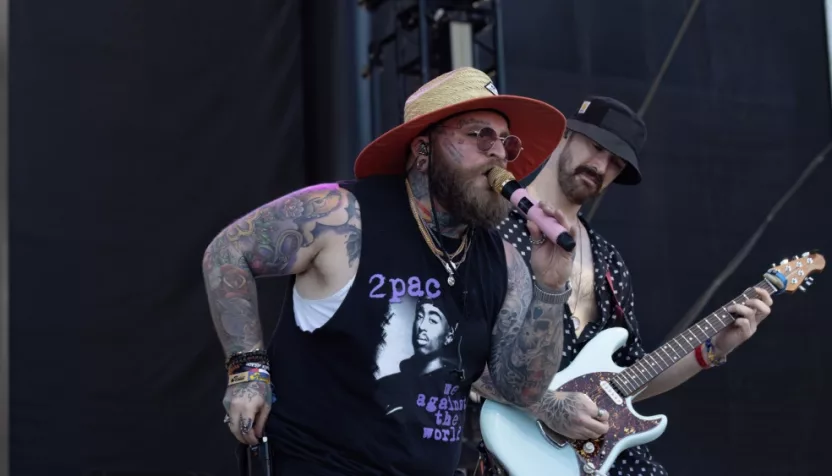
538,125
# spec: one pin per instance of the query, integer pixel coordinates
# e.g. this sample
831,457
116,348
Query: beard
465,200
572,182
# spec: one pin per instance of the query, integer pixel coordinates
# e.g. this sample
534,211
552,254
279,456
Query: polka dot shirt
607,262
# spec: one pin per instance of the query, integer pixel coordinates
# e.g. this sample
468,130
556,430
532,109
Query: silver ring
601,413
245,426
538,242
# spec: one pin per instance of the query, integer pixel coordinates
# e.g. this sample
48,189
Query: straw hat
538,125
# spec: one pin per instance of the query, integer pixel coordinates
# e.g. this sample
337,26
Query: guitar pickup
612,393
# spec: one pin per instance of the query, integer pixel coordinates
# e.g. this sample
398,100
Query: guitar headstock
795,274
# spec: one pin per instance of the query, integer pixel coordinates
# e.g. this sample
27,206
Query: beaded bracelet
256,356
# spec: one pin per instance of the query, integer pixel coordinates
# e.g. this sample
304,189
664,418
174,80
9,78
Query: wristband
249,376
709,351
243,366
700,358
549,297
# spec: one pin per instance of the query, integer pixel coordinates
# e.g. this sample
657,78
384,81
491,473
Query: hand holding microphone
552,264
503,182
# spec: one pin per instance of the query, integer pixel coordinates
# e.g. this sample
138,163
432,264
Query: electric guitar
526,447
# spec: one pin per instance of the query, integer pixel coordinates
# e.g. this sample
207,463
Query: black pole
497,5
327,38
423,40
365,111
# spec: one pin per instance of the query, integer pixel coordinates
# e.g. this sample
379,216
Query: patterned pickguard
622,421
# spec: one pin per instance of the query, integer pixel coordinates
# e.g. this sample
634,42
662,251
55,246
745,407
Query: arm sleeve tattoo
527,339
555,409
279,238
486,388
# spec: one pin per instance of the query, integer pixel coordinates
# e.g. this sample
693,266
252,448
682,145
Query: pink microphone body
548,225
503,182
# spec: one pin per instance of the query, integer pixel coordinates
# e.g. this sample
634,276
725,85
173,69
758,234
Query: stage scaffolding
431,37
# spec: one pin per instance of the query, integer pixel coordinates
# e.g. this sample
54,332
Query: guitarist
600,147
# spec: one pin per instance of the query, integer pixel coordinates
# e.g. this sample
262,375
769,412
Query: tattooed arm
314,233
287,236
573,415
527,338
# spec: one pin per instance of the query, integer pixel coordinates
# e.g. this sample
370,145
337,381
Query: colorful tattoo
275,239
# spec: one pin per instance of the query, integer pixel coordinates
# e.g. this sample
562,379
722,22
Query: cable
648,99
670,54
694,311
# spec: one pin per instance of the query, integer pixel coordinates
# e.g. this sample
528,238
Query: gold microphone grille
497,177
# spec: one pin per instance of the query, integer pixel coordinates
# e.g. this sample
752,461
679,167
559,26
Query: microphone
503,182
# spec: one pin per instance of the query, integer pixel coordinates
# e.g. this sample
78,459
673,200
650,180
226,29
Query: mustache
591,173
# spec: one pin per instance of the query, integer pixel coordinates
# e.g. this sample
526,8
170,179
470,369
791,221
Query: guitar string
619,385
599,391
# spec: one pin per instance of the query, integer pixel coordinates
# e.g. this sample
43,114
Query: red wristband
701,358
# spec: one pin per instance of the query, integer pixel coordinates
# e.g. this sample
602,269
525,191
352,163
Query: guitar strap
619,311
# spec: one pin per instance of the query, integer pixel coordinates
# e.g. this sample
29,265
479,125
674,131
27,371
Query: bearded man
416,225
601,147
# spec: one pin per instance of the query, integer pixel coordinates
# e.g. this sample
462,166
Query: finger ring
538,242
226,420
601,413
245,425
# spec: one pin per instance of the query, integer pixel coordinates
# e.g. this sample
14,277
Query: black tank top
382,387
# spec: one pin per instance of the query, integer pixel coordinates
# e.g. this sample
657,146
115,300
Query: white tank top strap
312,314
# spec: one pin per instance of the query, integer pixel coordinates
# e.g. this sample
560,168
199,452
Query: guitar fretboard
651,365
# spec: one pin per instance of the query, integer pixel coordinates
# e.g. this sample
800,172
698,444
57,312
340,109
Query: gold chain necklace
462,244
423,227
449,265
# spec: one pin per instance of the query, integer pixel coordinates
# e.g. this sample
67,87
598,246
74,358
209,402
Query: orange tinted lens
486,138
513,146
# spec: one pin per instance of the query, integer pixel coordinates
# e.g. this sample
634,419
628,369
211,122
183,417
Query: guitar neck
653,364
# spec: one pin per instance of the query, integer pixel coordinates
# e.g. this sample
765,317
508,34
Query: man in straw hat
418,222
601,146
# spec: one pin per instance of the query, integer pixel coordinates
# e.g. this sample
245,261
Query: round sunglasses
487,137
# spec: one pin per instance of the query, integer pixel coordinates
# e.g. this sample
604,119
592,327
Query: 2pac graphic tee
382,387
420,351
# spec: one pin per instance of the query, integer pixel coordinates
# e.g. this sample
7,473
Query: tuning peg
785,261
805,254
795,257
773,265
801,288
810,281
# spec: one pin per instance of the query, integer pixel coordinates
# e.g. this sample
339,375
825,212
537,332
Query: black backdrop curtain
138,130
744,107
742,110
